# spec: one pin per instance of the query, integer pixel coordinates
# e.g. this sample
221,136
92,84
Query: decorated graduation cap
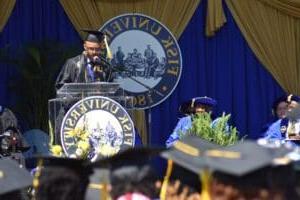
12,177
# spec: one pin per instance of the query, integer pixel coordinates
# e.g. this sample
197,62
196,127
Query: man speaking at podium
90,66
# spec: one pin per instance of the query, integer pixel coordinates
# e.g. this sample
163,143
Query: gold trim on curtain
289,7
274,38
215,17
175,14
6,7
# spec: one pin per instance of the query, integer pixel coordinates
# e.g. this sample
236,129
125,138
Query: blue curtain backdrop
32,21
223,67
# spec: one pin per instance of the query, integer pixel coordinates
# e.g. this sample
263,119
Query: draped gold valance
175,14
273,36
6,6
289,7
271,28
215,17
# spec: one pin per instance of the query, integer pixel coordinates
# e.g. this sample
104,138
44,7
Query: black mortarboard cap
131,156
245,157
241,161
130,168
94,35
78,165
12,177
188,152
52,173
251,157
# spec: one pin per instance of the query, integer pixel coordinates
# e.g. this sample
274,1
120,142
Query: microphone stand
113,68
150,90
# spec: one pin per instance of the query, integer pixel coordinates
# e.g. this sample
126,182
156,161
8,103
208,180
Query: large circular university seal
144,51
96,127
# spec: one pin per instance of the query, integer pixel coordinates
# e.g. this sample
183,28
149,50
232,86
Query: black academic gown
75,71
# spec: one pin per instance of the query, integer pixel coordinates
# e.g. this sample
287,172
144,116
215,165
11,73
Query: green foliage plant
218,132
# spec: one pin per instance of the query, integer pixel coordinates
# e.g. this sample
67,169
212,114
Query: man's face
202,108
93,48
281,109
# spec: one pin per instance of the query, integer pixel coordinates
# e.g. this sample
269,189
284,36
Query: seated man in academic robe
288,127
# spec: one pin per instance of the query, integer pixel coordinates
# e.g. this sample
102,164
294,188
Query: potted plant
217,131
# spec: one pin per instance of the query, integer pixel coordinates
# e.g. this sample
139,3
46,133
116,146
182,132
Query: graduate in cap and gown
91,65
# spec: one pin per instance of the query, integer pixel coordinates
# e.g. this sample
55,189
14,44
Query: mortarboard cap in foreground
245,157
241,161
94,35
52,174
188,152
12,177
130,170
77,165
131,156
249,157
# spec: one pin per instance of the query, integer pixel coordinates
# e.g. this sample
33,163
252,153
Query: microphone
96,60
99,60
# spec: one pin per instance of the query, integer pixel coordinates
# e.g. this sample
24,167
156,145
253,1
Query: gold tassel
109,54
104,192
289,98
163,191
103,188
36,181
205,180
